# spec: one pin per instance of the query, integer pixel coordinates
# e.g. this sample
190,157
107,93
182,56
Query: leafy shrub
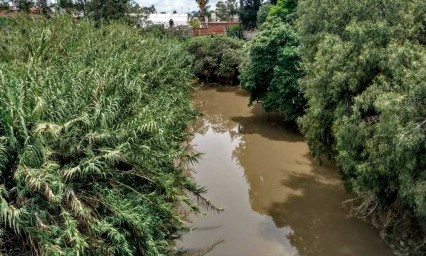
272,72
182,32
195,23
234,31
159,31
91,126
155,30
216,58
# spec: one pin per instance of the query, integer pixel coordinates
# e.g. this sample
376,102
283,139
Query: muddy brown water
277,200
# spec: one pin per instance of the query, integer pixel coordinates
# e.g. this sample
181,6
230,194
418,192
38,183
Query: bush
272,72
216,58
195,23
235,31
159,31
181,32
91,126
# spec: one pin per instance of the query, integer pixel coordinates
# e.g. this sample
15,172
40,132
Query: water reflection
277,200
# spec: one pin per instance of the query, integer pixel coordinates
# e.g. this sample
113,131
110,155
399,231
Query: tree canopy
202,5
365,84
216,59
225,10
273,68
104,11
263,13
360,67
248,12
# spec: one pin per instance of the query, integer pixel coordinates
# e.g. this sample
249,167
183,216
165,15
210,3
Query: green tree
105,11
226,10
248,12
149,10
272,72
221,11
365,85
202,5
284,9
356,72
263,13
216,59
274,67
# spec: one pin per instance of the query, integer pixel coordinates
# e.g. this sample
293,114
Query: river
277,200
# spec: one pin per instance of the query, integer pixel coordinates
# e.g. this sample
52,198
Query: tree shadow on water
268,125
318,221
225,88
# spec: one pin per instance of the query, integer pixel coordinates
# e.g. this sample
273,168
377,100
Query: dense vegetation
235,31
91,125
274,66
225,10
216,58
361,67
263,13
365,83
92,119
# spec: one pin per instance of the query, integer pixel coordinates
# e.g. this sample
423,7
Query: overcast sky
170,5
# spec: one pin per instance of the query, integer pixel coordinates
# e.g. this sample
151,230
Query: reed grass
91,121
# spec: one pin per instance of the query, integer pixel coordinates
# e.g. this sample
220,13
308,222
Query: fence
213,28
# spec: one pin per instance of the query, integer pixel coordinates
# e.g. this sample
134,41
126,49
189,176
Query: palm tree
202,5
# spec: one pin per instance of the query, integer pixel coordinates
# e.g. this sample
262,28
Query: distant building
179,19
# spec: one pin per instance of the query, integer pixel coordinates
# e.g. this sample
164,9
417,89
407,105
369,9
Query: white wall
179,19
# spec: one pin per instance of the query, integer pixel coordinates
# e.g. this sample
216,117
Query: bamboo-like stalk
91,120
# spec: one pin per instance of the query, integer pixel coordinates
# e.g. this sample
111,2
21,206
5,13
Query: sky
171,5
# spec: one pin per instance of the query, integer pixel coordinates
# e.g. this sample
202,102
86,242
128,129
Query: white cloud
171,5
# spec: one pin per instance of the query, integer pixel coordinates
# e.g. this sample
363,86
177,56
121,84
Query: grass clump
91,123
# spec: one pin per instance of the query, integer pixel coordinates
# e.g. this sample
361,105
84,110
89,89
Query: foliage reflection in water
277,200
